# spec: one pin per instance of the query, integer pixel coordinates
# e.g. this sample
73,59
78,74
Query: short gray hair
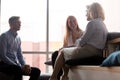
13,19
96,11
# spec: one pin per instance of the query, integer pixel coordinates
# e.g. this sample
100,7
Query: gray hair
96,11
13,19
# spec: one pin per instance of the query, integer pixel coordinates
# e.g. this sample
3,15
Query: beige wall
112,13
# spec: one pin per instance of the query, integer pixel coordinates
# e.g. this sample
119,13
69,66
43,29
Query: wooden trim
116,40
111,46
97,68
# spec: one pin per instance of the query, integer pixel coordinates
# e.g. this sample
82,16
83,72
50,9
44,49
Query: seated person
91,43
73,32
11,58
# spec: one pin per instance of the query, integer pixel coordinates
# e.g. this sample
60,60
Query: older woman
90,44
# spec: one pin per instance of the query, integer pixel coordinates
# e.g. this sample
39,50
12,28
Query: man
11,59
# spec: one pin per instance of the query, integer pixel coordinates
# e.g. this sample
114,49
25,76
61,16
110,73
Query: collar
13,33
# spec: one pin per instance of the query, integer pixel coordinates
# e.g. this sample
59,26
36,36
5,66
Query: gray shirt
95,34
10,49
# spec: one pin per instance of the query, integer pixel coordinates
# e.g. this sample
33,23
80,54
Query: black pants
54,56
17,71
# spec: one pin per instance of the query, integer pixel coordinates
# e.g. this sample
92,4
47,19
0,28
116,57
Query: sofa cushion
95,60
113,35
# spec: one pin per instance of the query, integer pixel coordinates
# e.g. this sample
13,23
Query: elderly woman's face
88,14
72,23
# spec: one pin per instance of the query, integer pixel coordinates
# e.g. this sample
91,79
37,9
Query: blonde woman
73,32
90,44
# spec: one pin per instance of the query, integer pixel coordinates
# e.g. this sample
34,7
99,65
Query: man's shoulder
4,35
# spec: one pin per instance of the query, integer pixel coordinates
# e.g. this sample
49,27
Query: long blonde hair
65,43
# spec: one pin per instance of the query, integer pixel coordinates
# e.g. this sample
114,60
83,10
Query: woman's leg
65,74
58,65
86,51
54,56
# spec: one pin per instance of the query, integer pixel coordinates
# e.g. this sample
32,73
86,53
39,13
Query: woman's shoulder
95,21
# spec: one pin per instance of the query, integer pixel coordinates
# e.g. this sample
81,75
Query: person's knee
54,55
15,69
36,71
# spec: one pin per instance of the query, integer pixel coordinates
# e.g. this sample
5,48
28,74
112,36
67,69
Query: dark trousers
17,71
54,56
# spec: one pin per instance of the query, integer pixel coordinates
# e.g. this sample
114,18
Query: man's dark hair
13,19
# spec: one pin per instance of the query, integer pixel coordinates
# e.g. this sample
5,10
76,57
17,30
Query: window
43,24
33,28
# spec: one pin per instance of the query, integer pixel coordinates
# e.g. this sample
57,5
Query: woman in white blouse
73,32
